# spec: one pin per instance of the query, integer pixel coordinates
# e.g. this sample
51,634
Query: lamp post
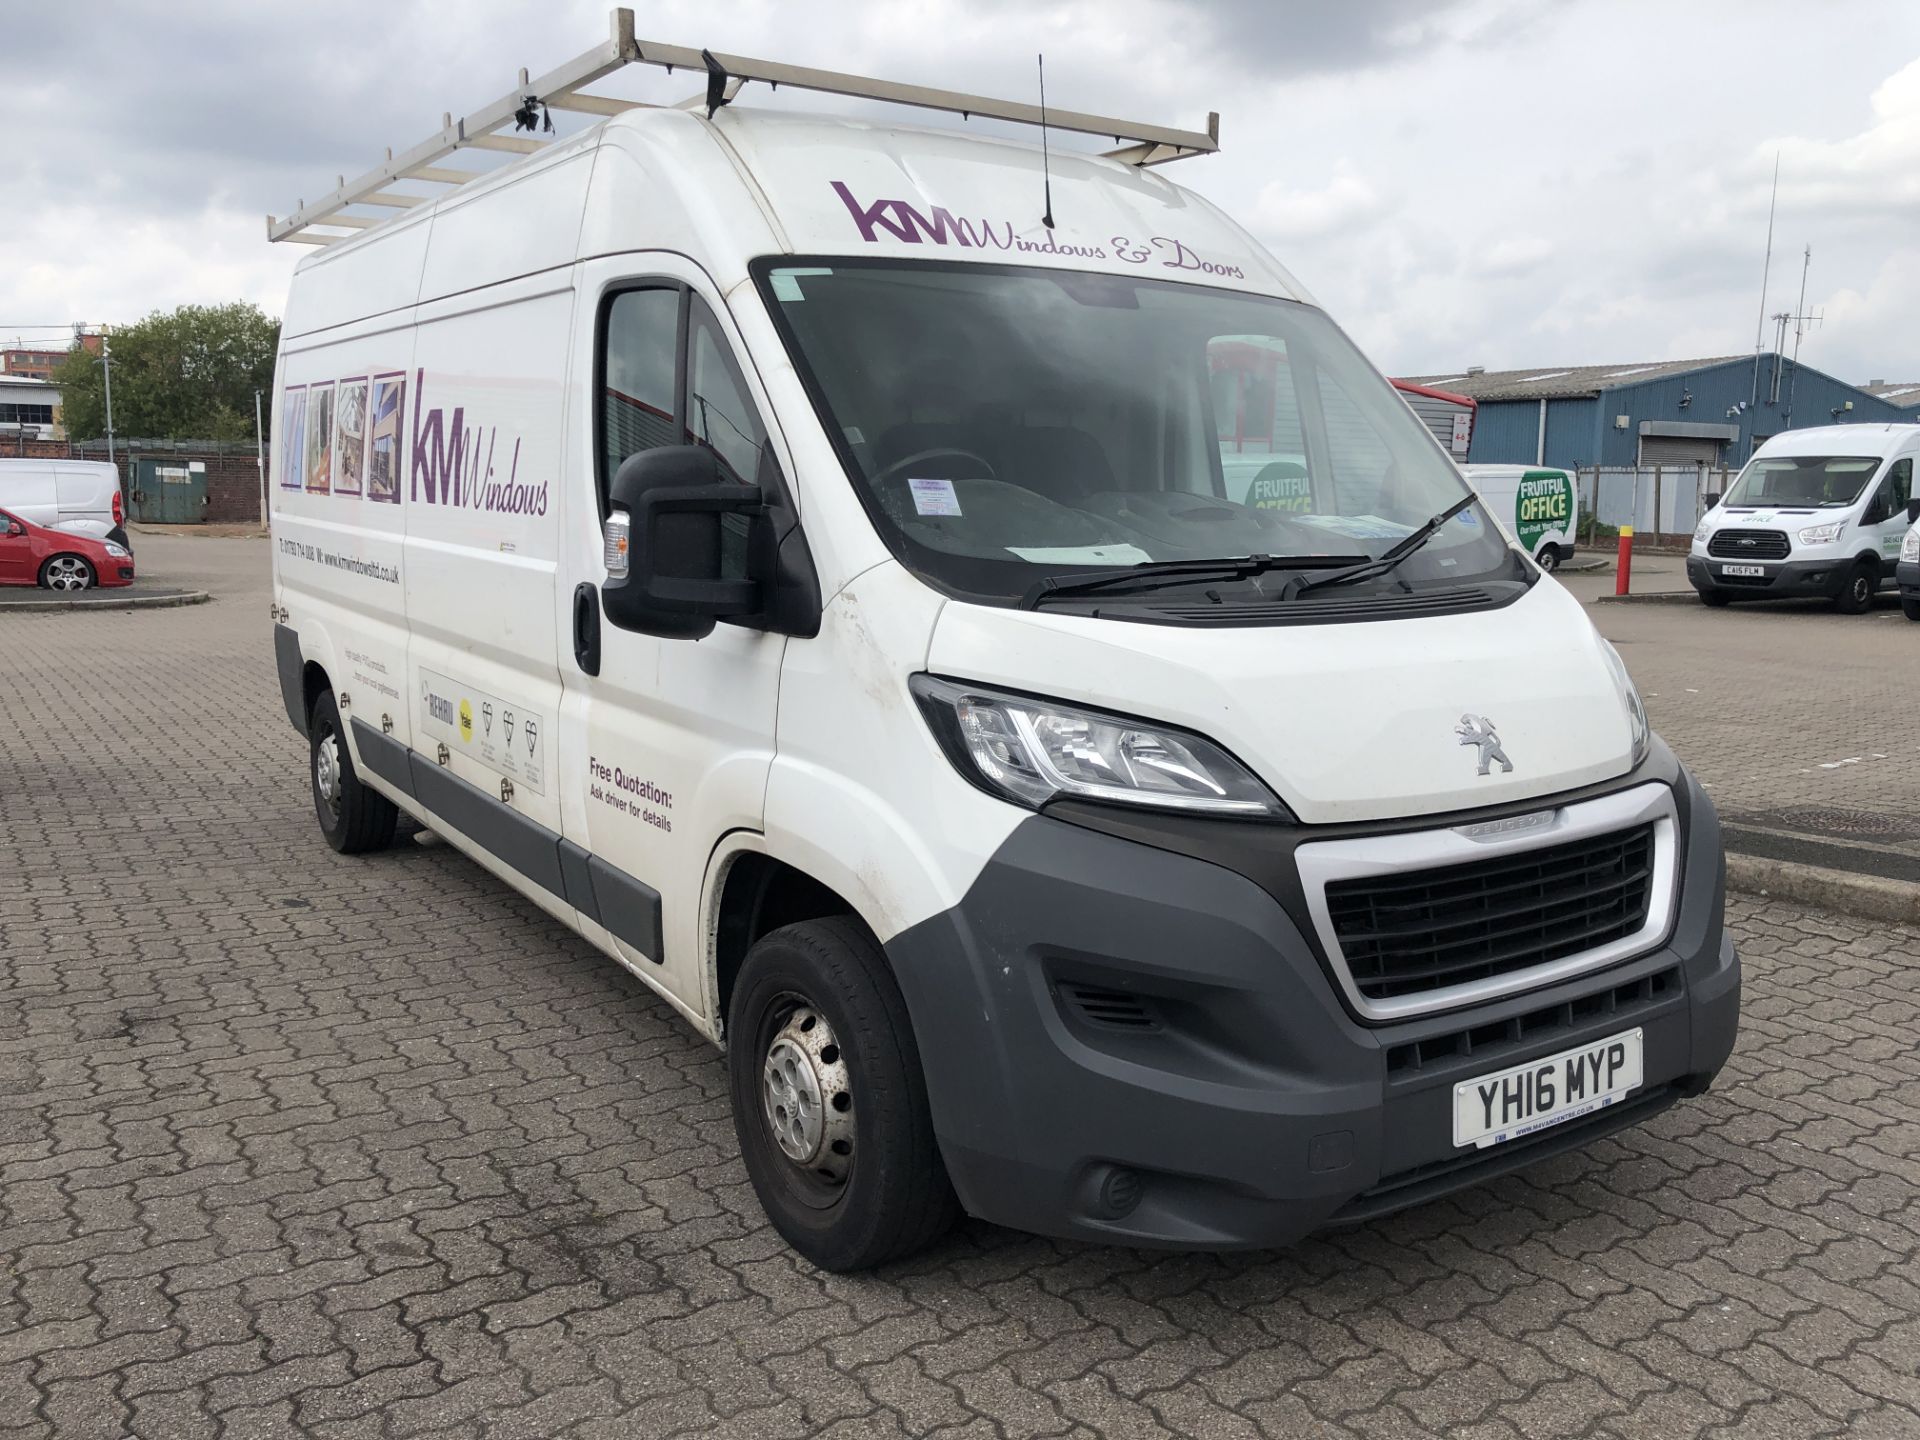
106,363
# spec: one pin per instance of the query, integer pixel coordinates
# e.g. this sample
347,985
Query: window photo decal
349,437
384,425
320,439
293,436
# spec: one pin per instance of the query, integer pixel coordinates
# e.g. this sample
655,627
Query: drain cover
1837,822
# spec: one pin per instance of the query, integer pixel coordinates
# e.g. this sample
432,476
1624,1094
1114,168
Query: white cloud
1285,213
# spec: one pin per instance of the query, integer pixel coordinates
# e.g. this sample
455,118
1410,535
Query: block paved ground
292,1144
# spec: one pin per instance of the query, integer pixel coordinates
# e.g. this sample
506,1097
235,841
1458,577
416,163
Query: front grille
1421,930
1744,544
1487,1044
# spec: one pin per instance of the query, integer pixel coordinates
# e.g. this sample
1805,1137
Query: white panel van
1818,512
768,545
1539,505
78,496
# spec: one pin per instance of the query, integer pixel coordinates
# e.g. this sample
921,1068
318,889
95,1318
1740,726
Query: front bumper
1127,1044
1779,580
1907,576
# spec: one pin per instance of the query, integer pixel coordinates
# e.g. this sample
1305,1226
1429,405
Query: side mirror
1913,511
664,544
14,527
1713,498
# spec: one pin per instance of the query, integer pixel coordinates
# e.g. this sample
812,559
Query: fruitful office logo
1544,502
1478,731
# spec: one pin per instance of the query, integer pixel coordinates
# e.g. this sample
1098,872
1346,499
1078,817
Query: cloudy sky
1491,182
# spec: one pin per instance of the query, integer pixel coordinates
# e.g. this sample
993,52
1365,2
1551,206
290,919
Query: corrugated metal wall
1508,431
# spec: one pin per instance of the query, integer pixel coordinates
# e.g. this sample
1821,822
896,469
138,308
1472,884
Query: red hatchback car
34,555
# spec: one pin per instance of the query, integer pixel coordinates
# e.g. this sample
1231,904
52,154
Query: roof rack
563,89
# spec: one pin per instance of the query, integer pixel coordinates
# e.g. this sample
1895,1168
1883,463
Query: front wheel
354,818
1856,597
829,1103
67,572
1910,609
1715,599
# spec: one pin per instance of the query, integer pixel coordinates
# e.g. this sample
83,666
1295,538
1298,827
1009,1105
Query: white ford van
1816,512
1538,504
81,497
770,547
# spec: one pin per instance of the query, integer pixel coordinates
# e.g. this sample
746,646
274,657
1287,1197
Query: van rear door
27,490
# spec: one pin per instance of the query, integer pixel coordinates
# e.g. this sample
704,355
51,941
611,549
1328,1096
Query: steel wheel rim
1862,590
64,572
806,1100
327,772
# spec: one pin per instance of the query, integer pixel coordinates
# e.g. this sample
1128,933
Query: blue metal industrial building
1710,412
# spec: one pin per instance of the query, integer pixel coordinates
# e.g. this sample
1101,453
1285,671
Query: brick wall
233,478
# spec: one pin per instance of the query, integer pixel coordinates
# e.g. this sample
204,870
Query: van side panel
481,500
338,450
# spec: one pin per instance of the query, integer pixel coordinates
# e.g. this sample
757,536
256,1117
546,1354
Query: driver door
16,554
674,737
1886,516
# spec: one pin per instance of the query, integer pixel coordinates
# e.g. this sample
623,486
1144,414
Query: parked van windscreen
1006,424
1803,481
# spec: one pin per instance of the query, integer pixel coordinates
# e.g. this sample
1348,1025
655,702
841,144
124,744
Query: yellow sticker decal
466,720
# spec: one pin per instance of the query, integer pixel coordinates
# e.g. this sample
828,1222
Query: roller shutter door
1678,450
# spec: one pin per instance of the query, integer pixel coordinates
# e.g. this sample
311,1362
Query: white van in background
1816,512
78,496
1538,504
770,547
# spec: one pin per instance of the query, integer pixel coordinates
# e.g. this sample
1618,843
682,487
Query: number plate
1550,1091
1743,569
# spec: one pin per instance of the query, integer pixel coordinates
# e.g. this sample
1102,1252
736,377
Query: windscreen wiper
1156,573
1383,563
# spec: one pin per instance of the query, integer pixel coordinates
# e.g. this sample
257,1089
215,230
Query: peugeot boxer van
81,497
1537,504
1818,512
774,549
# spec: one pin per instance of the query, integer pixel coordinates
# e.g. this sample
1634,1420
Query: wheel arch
751,892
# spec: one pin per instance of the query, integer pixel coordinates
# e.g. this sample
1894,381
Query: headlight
1031,751
1910,547
1636,711
116,552
1701,531
1822,534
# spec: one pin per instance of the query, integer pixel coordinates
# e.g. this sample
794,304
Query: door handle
586,628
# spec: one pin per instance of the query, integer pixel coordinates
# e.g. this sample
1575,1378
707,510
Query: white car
1538,504
1818,512
78,496
766,545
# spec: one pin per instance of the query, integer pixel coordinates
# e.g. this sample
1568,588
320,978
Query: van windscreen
1004,424
1811,482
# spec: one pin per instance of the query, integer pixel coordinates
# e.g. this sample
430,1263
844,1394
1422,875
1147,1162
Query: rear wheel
354,818
67,572
828,1100
1548,559
1856,596
1715,598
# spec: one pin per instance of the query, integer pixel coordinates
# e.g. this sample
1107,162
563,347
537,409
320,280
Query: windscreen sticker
1081,554
934,497
1284,491
508,739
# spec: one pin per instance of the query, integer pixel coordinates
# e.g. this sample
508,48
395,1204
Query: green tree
185,374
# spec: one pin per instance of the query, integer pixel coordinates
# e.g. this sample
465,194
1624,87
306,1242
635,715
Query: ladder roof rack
563,88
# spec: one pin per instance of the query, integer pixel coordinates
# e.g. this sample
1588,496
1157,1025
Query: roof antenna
1046,160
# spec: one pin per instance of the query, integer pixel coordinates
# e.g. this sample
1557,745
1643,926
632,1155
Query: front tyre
828,1100
67,572
1910,609
1715,599
1856,595
354,818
